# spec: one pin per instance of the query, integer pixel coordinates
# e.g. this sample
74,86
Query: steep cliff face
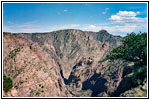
104,36
33,71
100,79
69,46
61,63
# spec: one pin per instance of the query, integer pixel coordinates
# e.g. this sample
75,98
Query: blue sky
116,18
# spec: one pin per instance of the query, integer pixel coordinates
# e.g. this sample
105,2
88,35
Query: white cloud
105,11
122,23
61,12
65,10
127,17
113,29
68,26
127,21
25,25
137,12
9,22
86,4
58,13
22,27
7,29
107,8
31,28
126,13
91,26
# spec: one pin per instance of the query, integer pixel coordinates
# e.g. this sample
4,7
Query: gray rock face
104,36
129,93
144,87
64,63
139,91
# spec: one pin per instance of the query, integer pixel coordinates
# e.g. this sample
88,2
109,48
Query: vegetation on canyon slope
7,83
133,49
69,51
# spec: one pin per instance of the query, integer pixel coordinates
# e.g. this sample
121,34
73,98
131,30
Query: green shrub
7,83
134,49
139,75
13,53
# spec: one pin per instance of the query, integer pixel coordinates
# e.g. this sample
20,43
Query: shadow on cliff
96,84
124,85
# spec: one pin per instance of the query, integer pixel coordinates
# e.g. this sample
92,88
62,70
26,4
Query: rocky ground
64,63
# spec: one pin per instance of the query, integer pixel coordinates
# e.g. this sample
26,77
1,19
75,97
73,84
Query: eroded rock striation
64,63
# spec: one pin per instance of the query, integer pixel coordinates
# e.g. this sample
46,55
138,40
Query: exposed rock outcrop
62,63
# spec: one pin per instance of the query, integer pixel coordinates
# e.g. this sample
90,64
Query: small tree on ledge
7,83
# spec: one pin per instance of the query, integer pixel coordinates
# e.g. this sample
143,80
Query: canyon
65,63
